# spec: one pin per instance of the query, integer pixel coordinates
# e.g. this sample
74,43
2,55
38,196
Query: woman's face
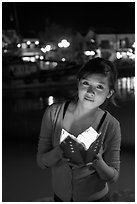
93,90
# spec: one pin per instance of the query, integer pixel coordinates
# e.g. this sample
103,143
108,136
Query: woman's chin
88,104
89,100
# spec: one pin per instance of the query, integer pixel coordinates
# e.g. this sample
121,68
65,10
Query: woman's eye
100,87
85,83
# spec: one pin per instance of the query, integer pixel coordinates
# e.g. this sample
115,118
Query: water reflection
126,88
39,99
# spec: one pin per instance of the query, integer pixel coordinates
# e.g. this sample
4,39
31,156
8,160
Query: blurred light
98,51
132,83
130,50
129,53
36,42
123,43
37,56
46,49
126,54
47,63
92,40
119,83
26,59
54,64
5,50
64,43
92,53
133,45
88,53
29,59
124,80
41,57
63,59
132,56
18,45
28,42
24,46
43,50
50,100
32,59
128,84
4,44
118,54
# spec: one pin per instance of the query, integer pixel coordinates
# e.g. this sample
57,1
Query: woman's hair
100,66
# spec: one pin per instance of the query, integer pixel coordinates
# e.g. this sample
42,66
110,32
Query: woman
87,182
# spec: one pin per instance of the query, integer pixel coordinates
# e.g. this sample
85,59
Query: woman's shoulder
51,111
111,118
55,106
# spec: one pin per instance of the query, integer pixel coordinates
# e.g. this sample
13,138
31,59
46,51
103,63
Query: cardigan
80,184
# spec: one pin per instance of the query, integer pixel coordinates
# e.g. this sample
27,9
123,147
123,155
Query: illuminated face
93,90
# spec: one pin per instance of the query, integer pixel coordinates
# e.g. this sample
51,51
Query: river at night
22,111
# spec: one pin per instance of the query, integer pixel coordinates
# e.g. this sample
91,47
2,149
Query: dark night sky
117,16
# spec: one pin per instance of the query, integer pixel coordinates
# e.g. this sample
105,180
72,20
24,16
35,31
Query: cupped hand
75,166
98,158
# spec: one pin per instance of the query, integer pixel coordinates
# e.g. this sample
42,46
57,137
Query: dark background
80,16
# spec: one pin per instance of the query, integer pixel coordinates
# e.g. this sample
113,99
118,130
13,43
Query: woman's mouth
89,99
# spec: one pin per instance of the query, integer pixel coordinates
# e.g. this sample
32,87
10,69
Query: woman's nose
90,90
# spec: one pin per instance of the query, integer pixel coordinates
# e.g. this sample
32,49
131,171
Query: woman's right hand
74,166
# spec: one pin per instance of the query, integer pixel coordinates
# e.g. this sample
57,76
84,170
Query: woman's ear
110,93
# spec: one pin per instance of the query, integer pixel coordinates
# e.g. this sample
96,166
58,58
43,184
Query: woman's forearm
48,159
106,172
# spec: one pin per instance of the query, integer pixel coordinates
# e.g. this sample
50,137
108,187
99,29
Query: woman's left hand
98,158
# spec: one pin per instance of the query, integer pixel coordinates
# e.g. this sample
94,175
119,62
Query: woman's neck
80,111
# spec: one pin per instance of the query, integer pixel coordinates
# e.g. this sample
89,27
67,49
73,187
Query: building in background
116,46
29,58
73,47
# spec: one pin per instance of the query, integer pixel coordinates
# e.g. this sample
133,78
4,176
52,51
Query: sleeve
47,156
112,153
